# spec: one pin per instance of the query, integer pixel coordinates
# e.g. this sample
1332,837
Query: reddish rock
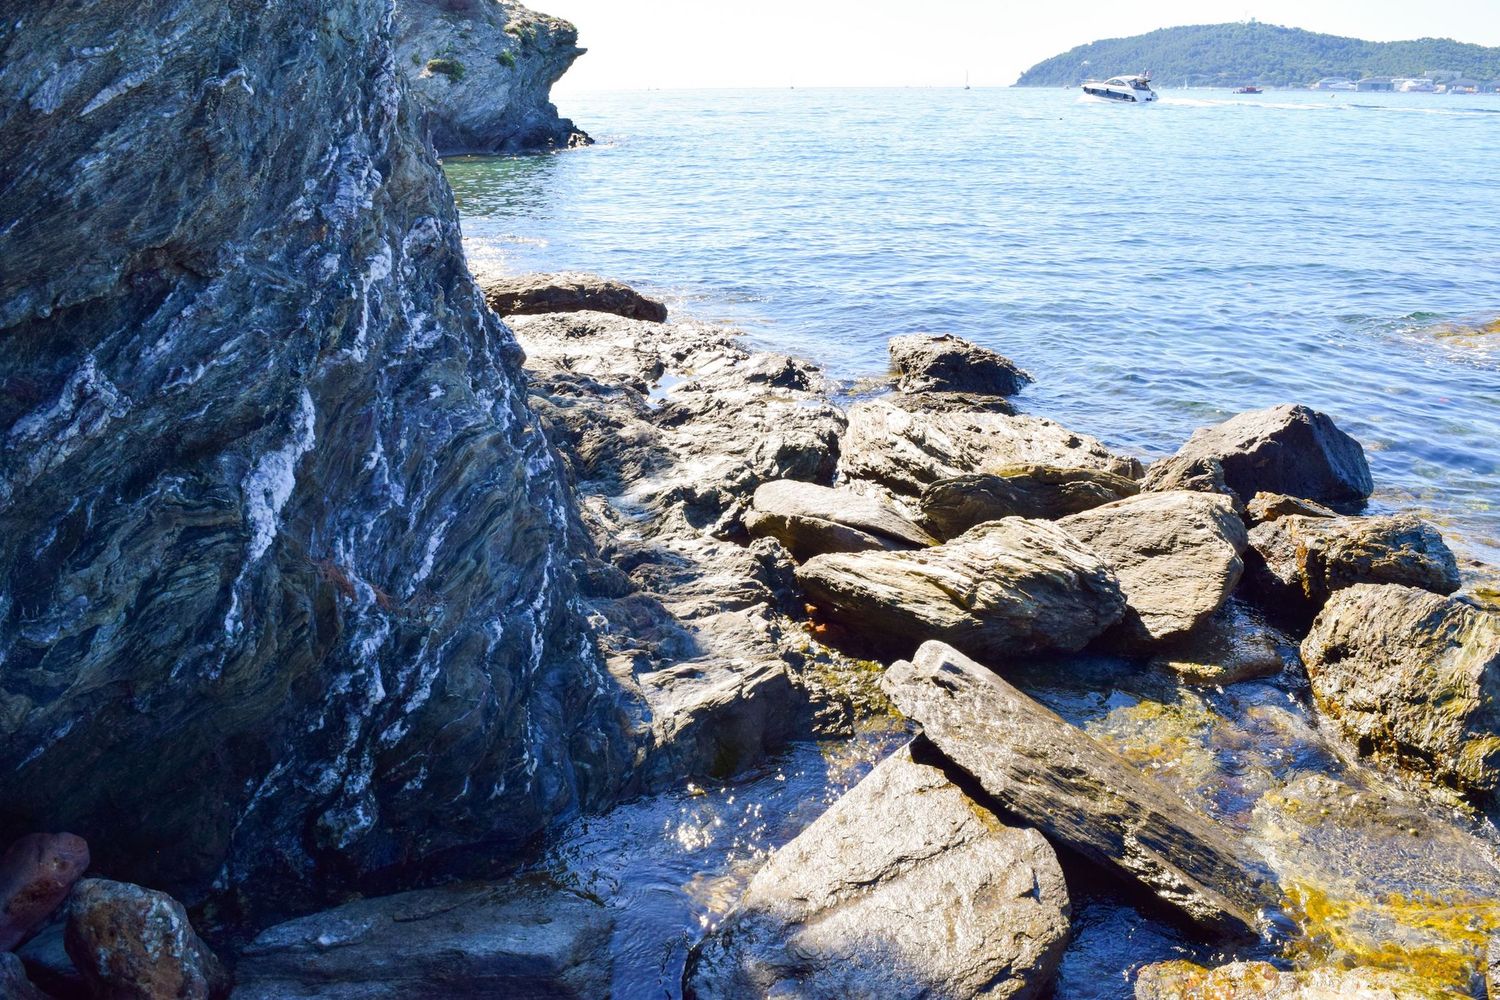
35,877
131,943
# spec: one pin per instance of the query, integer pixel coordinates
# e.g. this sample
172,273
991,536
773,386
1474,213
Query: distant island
1265,55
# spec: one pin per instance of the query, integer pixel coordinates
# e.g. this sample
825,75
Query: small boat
1125,89
1249,90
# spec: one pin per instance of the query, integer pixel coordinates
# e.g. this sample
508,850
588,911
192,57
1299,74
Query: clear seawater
1157,269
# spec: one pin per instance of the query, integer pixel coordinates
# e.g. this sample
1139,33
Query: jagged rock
949,402
1201,474
1265,507
904,888
1234,644
131,943
908,451
944,363
268,479
1413,679
1052,775
13,982
523,939
481,73
1285,449
36,874
952,506
530,294
1010,586
1177,556
811,520
1180,980
1296,562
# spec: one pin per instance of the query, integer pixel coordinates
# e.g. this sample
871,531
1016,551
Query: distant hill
1263,54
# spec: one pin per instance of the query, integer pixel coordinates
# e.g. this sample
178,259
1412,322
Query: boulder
1180,980
952,506
1285,449
1297,561
1006,587
904,888
525,294
521,939
36,874
944,363
1177,556
811,520
13,982
1045,772
907,451
1234,644
1412,678
1269,506
131,943
1201,474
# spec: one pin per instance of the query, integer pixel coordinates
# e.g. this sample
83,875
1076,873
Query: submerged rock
944,363
1233,644
523,939
811,520
1298,561
1179,980
1009,586
907,451
1048,773
36,874
1177,555
1285,449
531,294
904,888
481,72
952,506
131,943
1412,678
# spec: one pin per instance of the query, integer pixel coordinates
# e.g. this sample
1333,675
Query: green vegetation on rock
451,68
1254,53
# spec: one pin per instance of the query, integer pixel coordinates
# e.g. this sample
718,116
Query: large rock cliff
286,603
482,71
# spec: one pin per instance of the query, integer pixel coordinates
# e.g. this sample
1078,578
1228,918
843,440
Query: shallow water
1157,269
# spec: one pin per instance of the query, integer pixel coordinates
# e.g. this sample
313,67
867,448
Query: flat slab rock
1177,555
1043,771
529,294
944,363
1412,678
1287,449
1180,980
904,888
518,940
952,506
811,520
907,451
1009,586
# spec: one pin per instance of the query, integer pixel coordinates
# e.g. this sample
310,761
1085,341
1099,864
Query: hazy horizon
677,44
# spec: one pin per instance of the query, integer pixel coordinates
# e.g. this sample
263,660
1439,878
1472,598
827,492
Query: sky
637,44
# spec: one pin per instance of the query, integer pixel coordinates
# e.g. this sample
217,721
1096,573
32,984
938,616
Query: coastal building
1464,86
1416,85
1333,83
1375,84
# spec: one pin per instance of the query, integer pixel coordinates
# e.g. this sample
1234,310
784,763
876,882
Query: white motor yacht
1125,89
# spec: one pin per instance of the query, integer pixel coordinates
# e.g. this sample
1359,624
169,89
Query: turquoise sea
1157,268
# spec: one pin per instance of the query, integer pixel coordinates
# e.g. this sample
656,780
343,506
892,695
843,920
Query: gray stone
1202,474
904,888
480,73
1285,449
130,943
810,520
952,506
1234,644
1265,507
944,363
1009,586
13,982
907,451
1177,556
1298,561
1048,773
532,294
1412,678
49,967
518,940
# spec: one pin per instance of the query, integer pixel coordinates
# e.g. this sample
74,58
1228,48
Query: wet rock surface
481,74
285,556
130,943
1233,644
952,506
1412,678
1041,770
1008,586
903,888
521,939
927,363
1264,981
36,874
812,520
1177,556
530,294
1285,449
